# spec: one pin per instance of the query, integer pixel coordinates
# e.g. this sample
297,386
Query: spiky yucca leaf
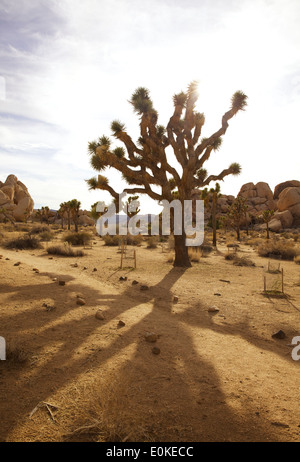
131,181
201,174
217,143
104,141
141,142
236,168
200,117
180,99
97,163
92,146
160,130
239,101
141,101
92,183
119,152
117,127
102,181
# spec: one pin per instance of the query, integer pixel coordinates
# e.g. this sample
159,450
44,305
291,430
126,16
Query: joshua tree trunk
214,222
181,252
268,231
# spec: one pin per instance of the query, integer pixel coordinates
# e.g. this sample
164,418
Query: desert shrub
297,260
46,236
22,243
8,227
134,240
65,250
77,238
194,256
170,258
23,228
117,240
239,261
278,249
111,240
37,229
206,249
152,242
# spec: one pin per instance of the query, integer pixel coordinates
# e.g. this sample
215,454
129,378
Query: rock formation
259,198
15,199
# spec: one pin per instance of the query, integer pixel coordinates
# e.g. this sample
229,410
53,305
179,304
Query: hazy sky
68,68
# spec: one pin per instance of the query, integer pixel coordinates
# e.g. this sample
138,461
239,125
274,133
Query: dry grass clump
297,260
239,261
78,238
22,243
117,240
152,242
38,229
46,236
194,256
65,250
16,354
278,249
105,415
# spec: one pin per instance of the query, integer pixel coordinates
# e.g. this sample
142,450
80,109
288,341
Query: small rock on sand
99,315
151,337
213,309
155,350
80,301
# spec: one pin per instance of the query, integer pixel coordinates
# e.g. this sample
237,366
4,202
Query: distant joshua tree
237,213
267,216
75,205
145,166
62,210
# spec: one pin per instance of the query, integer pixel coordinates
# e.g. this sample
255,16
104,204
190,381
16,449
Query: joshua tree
7,216
45,211
267,216
215,195
145,165
94,213
74,206
237,213
132,213
39,215
62,210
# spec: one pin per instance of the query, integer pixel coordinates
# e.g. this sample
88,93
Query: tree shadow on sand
188,401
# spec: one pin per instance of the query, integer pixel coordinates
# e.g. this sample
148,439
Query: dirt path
217,378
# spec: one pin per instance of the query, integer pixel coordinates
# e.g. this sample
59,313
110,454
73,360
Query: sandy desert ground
218,377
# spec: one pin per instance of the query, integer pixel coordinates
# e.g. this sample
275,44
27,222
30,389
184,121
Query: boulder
288,198
15,198
285,217
275,225
287,184
86,221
